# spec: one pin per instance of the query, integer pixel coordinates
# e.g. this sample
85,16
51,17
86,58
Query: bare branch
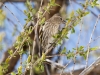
91,67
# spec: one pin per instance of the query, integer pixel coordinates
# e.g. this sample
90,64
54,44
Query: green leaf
42,21
63,51
70,54
86,13
72,30
53,3
7,60
21,51
29,58
94,3
2,17
81,48
43,57
1,72
83,54
13,73
71,14
42,68
79,11
39,68
66,37
20,70
25,12
56,36
94,48
74,48
28,15
10,52
5,67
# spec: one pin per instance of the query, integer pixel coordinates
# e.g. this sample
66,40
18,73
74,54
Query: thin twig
77,45
17,7
12,23
18,48
65,67
87,70
91,39
14,16
95,39
87,9
54,63
36,40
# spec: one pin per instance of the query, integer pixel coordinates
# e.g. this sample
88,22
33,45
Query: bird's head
57,19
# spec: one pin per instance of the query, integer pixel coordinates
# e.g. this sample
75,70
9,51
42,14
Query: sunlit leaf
1,72
63,51
94,48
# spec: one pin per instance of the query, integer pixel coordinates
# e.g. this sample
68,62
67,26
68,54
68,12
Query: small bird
51,27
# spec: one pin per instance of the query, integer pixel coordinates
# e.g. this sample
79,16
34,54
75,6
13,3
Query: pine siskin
50,28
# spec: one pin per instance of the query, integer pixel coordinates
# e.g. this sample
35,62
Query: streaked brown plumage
50,28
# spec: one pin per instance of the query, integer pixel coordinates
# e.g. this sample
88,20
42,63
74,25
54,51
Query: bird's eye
61,18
